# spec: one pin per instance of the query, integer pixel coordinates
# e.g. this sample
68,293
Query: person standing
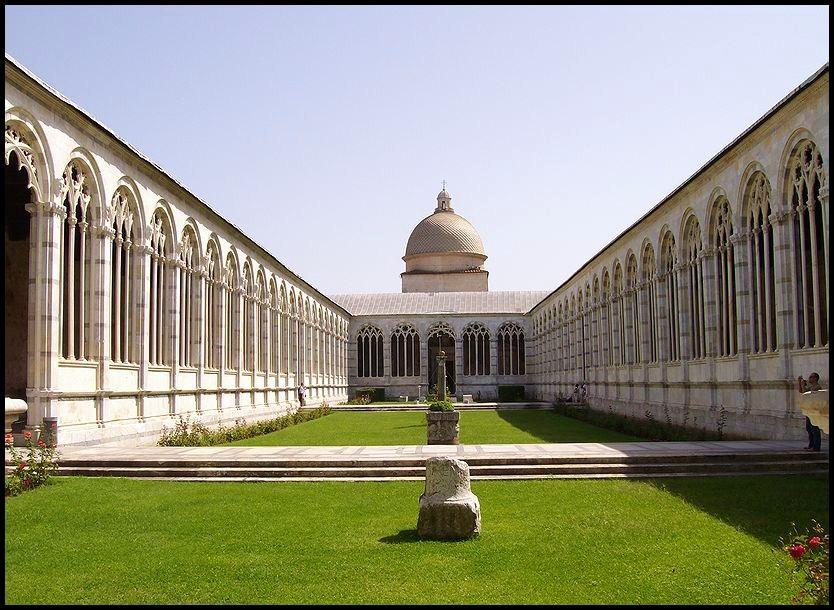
302,394
814,433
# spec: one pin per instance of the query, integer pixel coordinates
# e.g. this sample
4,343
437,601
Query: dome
444,232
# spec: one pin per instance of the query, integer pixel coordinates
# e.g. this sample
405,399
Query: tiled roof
398,303
444,232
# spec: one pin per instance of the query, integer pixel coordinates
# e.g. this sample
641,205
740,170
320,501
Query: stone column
44,307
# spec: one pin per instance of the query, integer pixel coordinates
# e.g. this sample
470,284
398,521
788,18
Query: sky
324,132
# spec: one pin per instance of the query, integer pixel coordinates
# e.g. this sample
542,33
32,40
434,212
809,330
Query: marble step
419,461
401,472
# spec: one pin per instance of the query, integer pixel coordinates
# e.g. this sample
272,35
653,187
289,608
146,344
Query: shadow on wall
761,506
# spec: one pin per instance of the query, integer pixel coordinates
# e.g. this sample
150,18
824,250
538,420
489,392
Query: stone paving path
358,453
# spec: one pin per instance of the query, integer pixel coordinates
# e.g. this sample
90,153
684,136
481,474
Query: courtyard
409,428
700,540
234,366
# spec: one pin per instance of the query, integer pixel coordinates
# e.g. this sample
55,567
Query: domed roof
444,231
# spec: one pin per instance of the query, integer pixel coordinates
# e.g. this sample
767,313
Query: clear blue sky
324,132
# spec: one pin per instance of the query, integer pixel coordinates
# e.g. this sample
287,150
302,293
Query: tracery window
596,327
476,349
650,299
619,313
274,330
123,294
285,331
214,294
761,256
405,351
262,326
695,288
805,178
189,283
560,338
161,243
369,352
248,320
231,307
632,312
669,281
511,351
76,188
608,339
725,279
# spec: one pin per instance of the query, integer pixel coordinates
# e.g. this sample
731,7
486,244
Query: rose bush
809,551
32,468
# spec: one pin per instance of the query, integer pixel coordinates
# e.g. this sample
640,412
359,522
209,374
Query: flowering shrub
32,469
809,551
194,434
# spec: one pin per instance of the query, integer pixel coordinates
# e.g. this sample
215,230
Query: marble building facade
130,301
710,305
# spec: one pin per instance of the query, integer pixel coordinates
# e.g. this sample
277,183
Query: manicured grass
700,541
409,428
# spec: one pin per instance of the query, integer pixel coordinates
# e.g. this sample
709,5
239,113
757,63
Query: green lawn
702,541
409,428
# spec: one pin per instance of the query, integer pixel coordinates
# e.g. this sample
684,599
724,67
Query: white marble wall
94,398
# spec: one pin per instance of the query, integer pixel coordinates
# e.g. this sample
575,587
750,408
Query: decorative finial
444,184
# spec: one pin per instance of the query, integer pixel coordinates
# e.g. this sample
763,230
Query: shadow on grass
402,537
409,536
761,506
550,427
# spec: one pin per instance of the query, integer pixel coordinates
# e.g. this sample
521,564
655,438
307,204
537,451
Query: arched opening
442,340
17,277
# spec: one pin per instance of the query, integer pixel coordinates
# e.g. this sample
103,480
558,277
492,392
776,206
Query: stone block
448,508
443,428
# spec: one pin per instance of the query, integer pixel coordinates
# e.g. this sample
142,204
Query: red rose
9,439
797,551
814,542
27,435
41,443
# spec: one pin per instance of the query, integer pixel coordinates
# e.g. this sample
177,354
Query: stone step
400,472
415,461
523,477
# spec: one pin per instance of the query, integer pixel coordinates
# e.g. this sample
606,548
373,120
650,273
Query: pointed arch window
725,279
76,195
231,308
369,352
806,176
189,283
159,327
214,295
476,349
123,278
511,350
650,299
405,351
669,281
695,288
761,257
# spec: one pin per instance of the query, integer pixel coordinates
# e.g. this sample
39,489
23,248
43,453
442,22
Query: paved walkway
359,453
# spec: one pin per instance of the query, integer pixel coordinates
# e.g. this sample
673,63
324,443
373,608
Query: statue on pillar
441,375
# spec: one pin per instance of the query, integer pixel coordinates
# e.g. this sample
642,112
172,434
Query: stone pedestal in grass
448,508
443,427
